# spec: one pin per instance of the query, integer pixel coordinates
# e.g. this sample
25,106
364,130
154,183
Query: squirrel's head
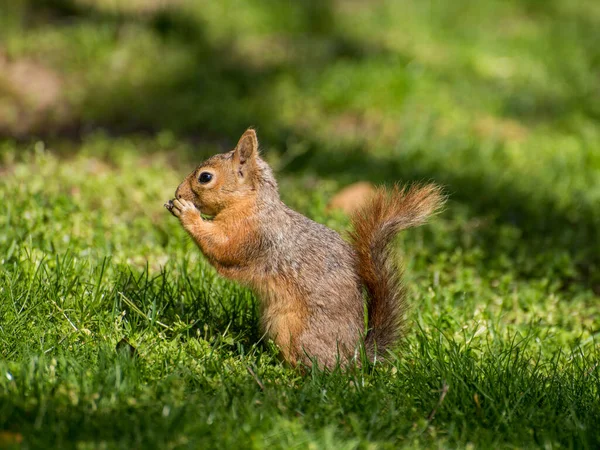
228,179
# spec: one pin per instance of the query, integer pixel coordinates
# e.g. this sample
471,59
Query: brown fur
308,279
374,228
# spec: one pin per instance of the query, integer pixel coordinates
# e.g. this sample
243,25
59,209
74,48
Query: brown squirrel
310,282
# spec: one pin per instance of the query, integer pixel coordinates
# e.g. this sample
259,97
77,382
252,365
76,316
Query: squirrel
310,282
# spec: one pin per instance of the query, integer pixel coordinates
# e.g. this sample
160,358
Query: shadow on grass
188,305
218,90
222,89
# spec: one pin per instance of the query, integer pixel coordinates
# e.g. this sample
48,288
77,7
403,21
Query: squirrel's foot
184,210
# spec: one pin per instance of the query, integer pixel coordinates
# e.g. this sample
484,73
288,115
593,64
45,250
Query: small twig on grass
445,388
64,314
251,372
57,345
589,372
141,313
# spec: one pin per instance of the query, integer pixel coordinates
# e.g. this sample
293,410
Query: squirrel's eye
205,177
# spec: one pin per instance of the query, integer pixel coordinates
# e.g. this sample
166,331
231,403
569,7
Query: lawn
116,333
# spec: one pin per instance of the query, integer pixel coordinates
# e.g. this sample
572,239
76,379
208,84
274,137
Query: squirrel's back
322,268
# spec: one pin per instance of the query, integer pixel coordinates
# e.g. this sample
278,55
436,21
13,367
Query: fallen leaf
352,197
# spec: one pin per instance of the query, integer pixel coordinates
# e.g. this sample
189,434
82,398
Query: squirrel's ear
245,152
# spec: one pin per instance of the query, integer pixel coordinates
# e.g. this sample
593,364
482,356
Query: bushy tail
373,228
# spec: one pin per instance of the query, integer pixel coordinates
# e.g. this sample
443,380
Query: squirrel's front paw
182,208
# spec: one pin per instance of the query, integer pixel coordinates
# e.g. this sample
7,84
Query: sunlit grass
498,107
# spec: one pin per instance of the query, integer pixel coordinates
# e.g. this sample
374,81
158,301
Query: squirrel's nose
181,190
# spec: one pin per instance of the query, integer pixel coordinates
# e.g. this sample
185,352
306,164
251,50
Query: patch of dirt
352,197
6,170
367,127
31,97
131,6
506,130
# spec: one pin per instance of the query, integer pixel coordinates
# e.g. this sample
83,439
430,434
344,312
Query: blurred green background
486,97
498,101
106,105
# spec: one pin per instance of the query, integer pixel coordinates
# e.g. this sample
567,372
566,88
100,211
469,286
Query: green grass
496,100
